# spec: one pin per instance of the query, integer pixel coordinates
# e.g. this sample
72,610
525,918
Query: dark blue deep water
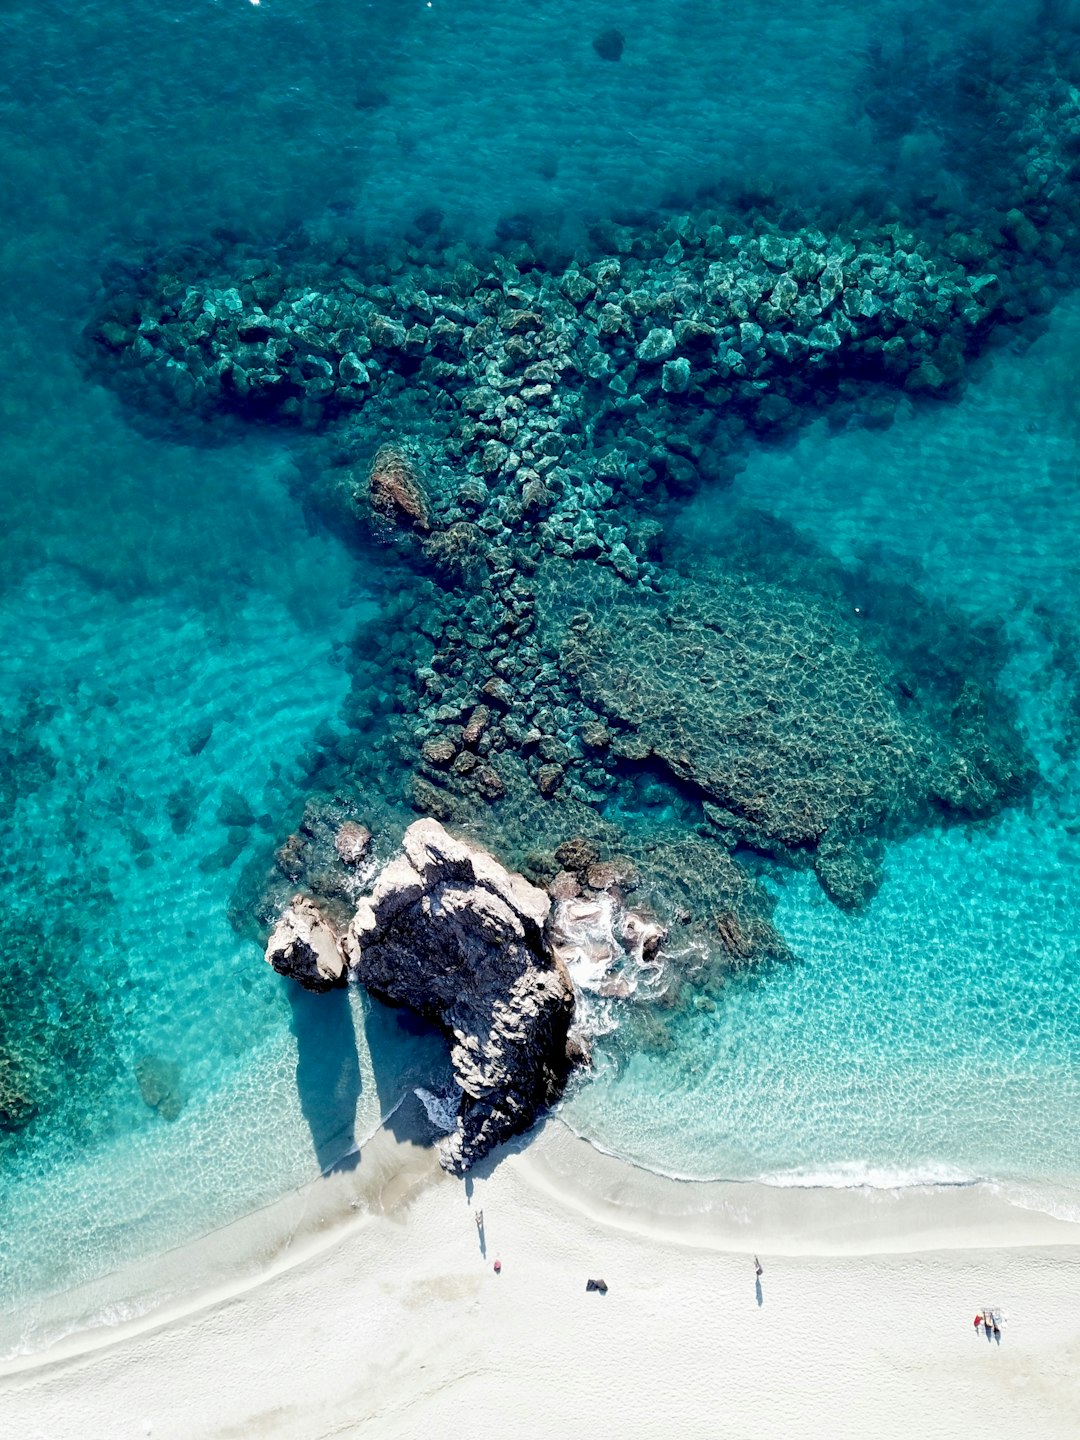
181,618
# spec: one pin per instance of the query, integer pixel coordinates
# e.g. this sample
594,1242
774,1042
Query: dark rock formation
450,933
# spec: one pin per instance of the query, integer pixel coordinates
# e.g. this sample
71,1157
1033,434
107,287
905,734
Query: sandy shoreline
364,1305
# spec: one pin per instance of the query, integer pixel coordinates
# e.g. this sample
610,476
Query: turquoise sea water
176,621
936,1036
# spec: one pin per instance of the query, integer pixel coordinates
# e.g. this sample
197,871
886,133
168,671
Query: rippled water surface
937,1036
177,615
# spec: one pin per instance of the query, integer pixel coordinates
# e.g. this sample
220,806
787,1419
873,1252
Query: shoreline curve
562,1171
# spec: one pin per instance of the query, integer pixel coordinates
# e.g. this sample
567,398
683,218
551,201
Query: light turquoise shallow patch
933,1039
131,679
936,1037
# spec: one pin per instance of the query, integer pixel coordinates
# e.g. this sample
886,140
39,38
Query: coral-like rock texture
452,934
788,720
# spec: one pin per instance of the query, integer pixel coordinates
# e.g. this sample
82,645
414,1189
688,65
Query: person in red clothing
978,1321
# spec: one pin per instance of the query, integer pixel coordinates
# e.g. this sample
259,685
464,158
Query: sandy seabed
365,1306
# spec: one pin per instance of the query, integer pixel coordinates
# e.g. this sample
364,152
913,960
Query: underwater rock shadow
390,1031
327,1074
328,1080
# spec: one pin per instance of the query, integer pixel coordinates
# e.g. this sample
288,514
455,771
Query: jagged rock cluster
691,308
513,424
456,937
304,946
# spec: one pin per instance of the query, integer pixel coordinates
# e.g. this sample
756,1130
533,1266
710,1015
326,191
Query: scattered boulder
565,886
234,811
198,736
675,377
477,724
394,487
657,345
181,806
305,947
351,842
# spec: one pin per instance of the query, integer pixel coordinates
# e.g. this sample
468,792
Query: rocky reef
786,717
550,671
452,934
752,324
694,327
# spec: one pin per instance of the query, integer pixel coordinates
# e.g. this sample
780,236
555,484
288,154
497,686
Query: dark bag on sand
600,1285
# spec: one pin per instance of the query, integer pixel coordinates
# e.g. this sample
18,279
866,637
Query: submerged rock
792,720
159,1085
657,345
395,488
198,736
305,947
322,857
456,937
234,811
609,44
181,806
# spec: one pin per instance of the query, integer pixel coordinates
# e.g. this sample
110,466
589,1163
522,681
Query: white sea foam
1060,1201
861,1174
441,1109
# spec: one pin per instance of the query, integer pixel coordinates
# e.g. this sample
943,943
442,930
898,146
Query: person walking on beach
479,1219
758,1269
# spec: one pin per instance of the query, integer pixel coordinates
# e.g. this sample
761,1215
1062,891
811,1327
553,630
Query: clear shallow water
933,1039
266,1086
151,586
937,1036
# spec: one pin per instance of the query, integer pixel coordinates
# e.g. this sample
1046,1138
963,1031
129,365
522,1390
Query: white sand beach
365,1307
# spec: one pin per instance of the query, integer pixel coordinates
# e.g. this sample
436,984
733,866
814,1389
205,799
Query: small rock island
453,935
